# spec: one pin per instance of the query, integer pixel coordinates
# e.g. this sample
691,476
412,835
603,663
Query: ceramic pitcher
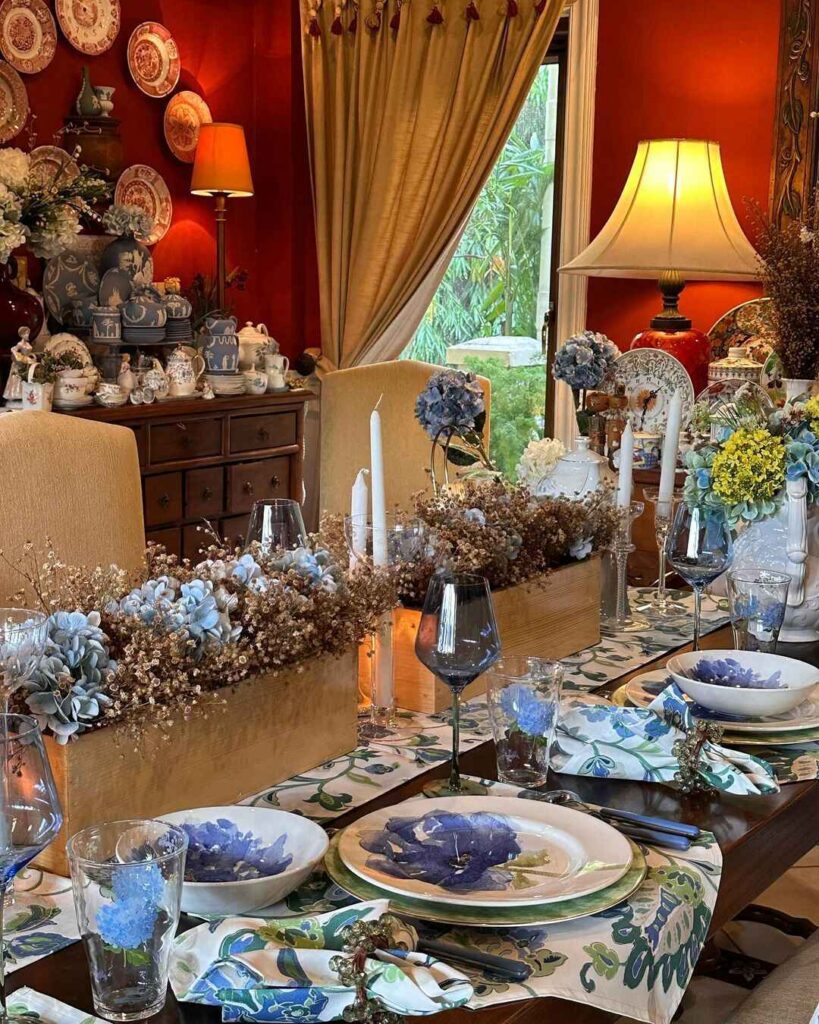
221,348
183,371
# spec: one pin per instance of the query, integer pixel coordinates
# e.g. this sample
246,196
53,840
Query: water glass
758,600
127,881
523,695
276,524
23,635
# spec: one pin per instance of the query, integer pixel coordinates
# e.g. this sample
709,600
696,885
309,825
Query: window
491,310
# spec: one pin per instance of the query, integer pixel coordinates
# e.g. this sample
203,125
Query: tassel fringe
540,6
435,17
472,13
511,8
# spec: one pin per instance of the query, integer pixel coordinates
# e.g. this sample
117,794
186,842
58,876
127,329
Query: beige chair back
73,482
347,399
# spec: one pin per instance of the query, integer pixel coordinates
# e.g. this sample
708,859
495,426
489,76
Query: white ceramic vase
787,542
797,387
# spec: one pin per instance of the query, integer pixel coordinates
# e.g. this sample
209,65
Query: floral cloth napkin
279,970
638,743
30,1006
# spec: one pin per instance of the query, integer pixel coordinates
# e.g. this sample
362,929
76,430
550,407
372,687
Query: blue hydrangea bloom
584,360
529,712
142,882
769,615
218,851
729,672
126,924
316,566
450,403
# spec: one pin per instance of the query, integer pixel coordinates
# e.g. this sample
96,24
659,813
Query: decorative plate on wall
153,59
51,165
142,186
184,115
91,26
28,35
650,378
747,324
13,102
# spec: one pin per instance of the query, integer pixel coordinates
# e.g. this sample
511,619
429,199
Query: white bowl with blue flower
241,859
743,684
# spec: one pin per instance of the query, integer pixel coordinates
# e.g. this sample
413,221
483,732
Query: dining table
760,838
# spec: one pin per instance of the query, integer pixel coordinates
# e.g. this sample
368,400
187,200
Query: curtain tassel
540,7
472,11
373,21
511,8
337,28
313,28
435,17
395,20
353,24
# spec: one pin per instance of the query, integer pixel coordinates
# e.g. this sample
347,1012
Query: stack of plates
489,862
799,725
68,405
143,335
226,383
178,328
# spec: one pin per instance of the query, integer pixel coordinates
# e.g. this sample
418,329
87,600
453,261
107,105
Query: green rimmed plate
489,917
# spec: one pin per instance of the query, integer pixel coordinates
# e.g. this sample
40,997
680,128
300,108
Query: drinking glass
523,695
457,641
127,881
758,601
276,524
30,815
699,547
23,635
661,603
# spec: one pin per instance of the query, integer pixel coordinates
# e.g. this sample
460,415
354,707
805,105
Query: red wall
699,69
242,57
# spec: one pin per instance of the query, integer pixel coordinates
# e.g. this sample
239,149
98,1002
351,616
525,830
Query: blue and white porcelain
220,346
241,859
485,851
744,684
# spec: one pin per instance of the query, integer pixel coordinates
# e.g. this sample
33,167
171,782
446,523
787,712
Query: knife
679,828
501,966
653,836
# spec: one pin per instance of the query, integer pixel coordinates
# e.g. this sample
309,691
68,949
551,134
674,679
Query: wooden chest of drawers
209,461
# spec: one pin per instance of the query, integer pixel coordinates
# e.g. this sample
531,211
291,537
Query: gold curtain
408,107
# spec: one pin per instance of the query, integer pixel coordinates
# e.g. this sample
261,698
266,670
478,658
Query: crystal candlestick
661,603
621,548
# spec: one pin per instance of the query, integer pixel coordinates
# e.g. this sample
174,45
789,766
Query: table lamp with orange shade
221,169
674,222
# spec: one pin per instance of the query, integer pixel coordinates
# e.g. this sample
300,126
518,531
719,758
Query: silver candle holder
622,619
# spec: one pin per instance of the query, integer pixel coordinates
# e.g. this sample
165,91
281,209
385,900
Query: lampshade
674,214
221,163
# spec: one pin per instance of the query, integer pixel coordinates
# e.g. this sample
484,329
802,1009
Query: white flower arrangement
538,460
15,166
127,221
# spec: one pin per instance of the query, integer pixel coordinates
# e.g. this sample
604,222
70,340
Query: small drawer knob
263,433
207,493
274,481
247,487
164,500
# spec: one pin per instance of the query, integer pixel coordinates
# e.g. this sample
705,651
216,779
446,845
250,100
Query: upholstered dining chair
347,399
72,482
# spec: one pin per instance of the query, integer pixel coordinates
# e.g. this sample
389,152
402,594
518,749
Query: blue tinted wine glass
30,815
457,641
699,548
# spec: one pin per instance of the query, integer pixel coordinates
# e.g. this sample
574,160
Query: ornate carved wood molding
793,174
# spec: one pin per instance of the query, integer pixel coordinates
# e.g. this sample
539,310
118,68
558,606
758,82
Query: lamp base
691,347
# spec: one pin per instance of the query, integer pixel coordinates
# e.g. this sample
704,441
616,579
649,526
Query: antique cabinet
209,461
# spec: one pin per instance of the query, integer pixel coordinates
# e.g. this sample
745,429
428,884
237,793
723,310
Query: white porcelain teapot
252,342
183,370
577,474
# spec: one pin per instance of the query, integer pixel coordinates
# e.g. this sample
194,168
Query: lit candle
671,446
379,505
359,502
626,464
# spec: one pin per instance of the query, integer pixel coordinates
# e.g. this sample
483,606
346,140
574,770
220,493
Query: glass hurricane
700,549
457,640
23,636
276,524
127,882
30,814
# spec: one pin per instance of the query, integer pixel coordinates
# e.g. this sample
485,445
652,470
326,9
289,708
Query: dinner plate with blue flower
643,689
485,851
503,916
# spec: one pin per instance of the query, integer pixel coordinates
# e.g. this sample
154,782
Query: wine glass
30,815
661,603
457,641
276,524
699,547
23,635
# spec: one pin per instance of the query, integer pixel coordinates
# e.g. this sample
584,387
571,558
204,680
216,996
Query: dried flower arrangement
139,651
789,257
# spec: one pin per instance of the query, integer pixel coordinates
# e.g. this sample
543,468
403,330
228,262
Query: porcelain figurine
126,377
183,371
22,353
104,95
253,342
221,346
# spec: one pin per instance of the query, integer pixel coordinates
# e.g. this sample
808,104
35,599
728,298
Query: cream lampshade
674,221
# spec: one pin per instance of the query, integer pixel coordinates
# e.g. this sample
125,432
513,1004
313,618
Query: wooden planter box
268,729
547,617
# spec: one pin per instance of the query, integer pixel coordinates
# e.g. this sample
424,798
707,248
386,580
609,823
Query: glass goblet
276,524
699,547
30,814
457,640
661,603
23,635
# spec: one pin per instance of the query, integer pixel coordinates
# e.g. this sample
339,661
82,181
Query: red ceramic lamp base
690,346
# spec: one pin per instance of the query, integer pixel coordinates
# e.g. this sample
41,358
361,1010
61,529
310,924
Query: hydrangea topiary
748,474
584,360
451,402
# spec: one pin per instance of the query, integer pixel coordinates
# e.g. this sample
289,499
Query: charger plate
642,689
486,852
491,917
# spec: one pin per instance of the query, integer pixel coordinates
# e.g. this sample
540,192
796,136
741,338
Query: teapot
155,378
183,371
253,341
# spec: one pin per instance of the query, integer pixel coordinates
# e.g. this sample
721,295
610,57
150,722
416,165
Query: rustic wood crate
270,728
546,617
